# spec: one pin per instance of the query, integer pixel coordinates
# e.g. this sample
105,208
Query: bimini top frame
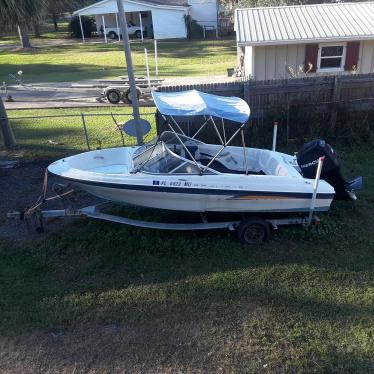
195,103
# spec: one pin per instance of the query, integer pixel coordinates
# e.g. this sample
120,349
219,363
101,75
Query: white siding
366,62
249,61
168,24
204,12
271,62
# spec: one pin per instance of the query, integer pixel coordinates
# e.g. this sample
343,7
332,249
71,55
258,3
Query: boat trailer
119,90
249,229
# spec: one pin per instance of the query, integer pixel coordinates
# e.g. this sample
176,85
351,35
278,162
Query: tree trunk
24,38
36,29
6,130
55,19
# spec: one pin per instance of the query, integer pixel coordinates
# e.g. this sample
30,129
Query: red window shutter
311,56
351,60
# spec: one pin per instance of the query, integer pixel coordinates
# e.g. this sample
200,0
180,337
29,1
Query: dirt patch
20,188
27,49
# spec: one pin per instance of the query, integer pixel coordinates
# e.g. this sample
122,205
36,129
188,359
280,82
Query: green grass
46,30
147,300
94,61
58,137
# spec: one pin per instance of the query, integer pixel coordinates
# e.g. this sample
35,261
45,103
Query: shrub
88,24
194,30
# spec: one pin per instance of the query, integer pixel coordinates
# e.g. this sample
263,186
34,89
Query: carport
165,18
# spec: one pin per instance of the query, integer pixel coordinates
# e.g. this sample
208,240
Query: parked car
132,29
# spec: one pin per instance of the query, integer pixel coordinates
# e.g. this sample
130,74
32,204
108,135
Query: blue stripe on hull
200,191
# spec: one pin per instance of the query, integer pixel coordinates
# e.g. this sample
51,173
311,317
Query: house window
331,57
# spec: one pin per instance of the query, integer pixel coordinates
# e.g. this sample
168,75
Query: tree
55,8
36,29
21,13
88,25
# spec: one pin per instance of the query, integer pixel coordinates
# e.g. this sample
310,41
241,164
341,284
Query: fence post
156,57
85,132
147,67
335,98
275,131
288,121
119,129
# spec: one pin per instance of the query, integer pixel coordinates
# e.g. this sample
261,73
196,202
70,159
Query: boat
177,171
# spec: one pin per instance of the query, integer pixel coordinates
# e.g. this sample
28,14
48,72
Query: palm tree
21,13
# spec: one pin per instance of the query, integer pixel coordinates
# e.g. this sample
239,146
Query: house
163,18
285,41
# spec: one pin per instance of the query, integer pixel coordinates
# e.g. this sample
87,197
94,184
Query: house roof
98,7
305,23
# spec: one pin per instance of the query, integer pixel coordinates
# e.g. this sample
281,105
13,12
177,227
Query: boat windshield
170,139
166,155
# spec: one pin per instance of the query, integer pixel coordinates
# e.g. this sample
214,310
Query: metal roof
305,23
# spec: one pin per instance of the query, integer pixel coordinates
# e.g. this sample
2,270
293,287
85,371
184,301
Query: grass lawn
47,32
101,297
95,61
61,136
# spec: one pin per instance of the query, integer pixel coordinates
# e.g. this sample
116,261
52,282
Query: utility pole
130,71
5,129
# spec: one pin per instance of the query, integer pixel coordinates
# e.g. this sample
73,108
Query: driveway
82,94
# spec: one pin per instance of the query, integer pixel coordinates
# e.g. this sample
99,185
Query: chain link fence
54,135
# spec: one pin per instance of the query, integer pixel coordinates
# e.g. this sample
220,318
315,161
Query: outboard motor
307,160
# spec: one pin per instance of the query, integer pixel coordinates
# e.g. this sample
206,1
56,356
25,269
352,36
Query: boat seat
193,148
272,164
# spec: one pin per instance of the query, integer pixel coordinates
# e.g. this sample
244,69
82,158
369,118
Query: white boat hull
96,173
206,202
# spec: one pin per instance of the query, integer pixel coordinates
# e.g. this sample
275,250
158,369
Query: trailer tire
253,231
138,34
112,35
127,95
113,96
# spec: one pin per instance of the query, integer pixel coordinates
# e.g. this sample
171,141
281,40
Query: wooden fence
354,91
223,89
308,107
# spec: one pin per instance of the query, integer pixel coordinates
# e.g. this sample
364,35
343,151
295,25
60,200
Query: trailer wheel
112,35
113,96
127,95
253,231
138,34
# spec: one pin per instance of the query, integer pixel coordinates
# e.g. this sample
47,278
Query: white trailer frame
96,211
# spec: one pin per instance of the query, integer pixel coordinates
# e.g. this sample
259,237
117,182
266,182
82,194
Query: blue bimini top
196,103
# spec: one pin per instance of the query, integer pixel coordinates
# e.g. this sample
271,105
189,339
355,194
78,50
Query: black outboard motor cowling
307,160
